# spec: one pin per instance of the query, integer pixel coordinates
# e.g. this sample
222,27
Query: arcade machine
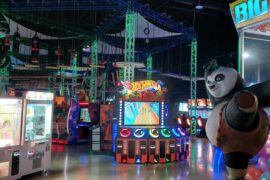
10,137
203,109
37,132
251,20
143,136
60,132
72,123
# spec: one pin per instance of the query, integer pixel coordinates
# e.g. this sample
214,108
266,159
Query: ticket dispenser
119,150
170,150
162,151
153,158
143,151
131,151
178,149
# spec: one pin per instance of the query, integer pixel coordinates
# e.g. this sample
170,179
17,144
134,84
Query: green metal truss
94,73
74,69
62,83
130,46
193,85
104,80
149,62
4,82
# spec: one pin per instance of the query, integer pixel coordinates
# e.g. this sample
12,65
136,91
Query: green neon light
239,56
93,80
74,69
164,133
62,84
104,80
149,62
193,84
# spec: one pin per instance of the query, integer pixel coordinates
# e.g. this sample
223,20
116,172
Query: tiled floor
77,163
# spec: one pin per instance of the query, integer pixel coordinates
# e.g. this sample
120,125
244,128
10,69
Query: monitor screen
85,117
141,113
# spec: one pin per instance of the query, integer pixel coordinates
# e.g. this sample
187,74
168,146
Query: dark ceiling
216,35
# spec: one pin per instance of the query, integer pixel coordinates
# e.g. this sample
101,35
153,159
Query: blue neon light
114,134
250,9
177,134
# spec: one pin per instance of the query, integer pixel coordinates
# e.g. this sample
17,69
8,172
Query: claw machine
10,137
37,132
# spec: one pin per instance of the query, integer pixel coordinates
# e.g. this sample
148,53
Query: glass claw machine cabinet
37,135
10,137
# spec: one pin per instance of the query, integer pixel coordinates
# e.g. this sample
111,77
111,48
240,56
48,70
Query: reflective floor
77,163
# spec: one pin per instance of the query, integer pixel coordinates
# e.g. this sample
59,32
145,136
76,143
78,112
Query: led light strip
154,135
162,113
120,114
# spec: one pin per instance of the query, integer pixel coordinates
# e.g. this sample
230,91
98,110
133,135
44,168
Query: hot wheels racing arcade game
143,136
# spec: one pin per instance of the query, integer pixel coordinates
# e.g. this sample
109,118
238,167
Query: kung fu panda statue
237,124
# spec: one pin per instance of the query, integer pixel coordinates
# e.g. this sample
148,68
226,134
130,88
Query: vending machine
10,137
37,132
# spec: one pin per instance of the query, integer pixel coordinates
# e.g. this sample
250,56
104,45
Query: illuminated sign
147,90
248,12
32,95
141,85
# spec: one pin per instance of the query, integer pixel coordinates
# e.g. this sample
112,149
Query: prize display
10,122
38,123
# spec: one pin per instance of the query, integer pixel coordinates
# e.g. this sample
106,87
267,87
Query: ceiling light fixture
199,6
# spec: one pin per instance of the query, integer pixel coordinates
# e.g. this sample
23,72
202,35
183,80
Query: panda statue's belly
212,124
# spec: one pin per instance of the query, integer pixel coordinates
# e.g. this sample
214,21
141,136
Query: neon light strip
83,103
153,135
139,136
181,132
164,134
175,133
125,132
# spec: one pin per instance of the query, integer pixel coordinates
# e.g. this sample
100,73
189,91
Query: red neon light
179,120
125,132
83,103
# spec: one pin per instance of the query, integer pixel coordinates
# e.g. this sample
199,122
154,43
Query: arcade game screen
84,116
38,121
141,113
10,122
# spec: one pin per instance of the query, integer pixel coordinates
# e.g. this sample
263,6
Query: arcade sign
248,12
33,95
147,90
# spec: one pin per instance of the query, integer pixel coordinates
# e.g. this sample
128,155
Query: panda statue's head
221,82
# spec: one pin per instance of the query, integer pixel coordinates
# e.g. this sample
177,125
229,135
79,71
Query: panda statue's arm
262,91
241,112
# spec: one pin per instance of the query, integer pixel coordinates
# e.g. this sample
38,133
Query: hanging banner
249,12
